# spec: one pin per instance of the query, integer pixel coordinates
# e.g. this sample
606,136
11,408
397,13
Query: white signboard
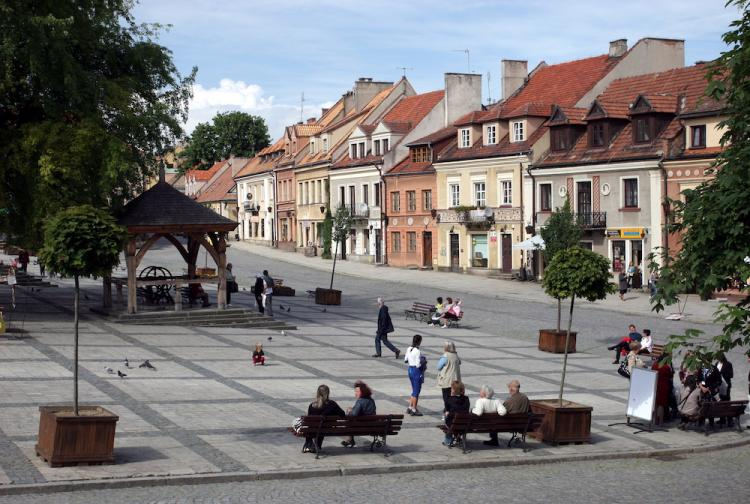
642,395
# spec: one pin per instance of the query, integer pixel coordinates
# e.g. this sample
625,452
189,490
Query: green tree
342,223
81,241
576,273
231,133
327,234
87,101
561,232
714,220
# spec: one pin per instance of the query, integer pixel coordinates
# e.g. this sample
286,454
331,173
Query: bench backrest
351,426
422,307
723,408
490,422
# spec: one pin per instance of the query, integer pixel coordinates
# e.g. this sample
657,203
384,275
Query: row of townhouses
437,180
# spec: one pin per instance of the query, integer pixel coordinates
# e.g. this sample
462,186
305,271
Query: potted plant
573,273
561,232
339,227
79,241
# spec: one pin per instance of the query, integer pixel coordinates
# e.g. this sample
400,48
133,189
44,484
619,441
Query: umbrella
534,243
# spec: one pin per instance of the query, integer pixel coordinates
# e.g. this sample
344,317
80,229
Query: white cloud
236,95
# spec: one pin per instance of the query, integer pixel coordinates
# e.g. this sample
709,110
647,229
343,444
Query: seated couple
623,346
517,402
444,313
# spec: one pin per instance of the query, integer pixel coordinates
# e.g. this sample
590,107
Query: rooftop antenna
301,107
404,69
489,89
468,58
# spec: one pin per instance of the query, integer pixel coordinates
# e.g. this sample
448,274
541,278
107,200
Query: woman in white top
647,344
417,363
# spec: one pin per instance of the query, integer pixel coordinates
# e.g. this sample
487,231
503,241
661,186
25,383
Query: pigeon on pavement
324,310
147,364
270,338
109,370
283,333
127,364
282,306
121,374
85,296
288,308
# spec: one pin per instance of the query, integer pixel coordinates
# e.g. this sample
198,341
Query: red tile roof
204,175
408,167
412,109
474,117
659,103
219,190
567,115
249,168
439,135
529,109
502,148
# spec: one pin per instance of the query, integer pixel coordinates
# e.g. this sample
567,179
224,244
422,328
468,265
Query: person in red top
664,386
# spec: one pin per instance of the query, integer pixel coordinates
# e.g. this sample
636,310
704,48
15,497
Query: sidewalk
636,303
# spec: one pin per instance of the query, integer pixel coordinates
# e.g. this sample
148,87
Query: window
506,192
697,136
320,191
491,135
385,145
631,192
300,193
518,134
352,199
545,197
480,194
312,146
353,153
427,200
642,130
377,194
366,194
361,149
411,241
376,144
395,202
342,196
411,200
597,135
308,200
325,144
465,138
396,242
420,154
454,194
560,139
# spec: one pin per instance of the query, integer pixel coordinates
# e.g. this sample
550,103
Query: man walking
268,293
385,326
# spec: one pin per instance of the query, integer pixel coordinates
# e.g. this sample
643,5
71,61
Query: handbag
297,424
623,370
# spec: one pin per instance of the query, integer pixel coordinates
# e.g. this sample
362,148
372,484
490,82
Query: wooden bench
419,311
454,322
657,351
518,424
718,409
377,426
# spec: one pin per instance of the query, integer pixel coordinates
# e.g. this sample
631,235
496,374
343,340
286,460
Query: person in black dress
455,403
258,291
323,406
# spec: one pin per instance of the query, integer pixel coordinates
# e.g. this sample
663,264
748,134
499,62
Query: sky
260,56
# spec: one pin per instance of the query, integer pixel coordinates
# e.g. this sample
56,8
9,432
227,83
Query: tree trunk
75,348
335,253
559,314
565,358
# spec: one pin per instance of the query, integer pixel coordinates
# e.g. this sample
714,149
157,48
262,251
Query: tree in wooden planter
572,273
79,241
340,226
327,233
561,232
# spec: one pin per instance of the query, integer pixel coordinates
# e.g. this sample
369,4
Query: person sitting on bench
196,293
451,314
486,404
437,311
518,402
323,406
689,405
363,406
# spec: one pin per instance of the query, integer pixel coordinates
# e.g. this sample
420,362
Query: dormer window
312,146
361,149
491,134
376,147
643,126
421,154
325,144
353,151
385,145
465,138
518,131
698,136
561,138
597,134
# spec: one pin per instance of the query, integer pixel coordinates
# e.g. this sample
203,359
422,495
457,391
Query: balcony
592,220
479,216
360,212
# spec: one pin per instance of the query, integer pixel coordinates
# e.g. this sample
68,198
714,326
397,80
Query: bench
454,322
419,311
377,426
718,409
518,424
657,351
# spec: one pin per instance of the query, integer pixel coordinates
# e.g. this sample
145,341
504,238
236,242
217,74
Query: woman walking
449,370
417,365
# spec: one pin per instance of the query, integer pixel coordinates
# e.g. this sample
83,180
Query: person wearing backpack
417,366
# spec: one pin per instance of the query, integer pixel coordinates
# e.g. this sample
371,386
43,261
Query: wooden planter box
552,341
327,296
66,439
282,290
205,272
569,423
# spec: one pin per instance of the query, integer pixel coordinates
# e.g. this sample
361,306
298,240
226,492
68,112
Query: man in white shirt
486,404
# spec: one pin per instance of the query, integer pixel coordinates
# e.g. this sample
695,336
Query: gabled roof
601,108
204,175
474,117
277,146
503,148
567,115
164,208
533,109
249,168
219,190
646,103
439,135
307,129
409,167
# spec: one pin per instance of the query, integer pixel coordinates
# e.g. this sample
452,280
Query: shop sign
626,233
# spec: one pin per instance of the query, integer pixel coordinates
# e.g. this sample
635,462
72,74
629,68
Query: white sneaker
444,326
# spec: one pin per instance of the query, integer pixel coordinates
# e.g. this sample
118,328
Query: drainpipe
665,208
535,253
275,227
383,247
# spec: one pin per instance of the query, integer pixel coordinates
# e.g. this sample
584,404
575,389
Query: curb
239,477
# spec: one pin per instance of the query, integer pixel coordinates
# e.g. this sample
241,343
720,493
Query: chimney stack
618,48
514,73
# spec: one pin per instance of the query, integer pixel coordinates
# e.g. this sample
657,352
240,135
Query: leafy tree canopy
580,273
342,223
714,220
230,133
82,241
87,101
560,232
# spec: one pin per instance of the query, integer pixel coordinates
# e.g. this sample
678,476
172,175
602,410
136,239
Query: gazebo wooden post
220,245
130,262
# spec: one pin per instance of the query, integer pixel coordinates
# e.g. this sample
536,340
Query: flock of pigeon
145,364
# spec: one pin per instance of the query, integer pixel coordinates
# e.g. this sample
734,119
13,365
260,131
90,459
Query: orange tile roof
204,175
219,190
529,109
503,148
438,136
306,130
274,147
473,117
412,109
249,168
567,115
661,103
409,167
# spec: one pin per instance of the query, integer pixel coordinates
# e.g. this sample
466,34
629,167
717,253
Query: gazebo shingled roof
165,209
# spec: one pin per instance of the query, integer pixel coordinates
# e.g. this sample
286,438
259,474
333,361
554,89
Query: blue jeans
415,377
384,338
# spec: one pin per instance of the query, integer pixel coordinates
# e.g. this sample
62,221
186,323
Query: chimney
311,120
463,94
365,90
514,75
323,111
618,47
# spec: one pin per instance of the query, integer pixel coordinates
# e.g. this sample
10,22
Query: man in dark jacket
385,326
258,291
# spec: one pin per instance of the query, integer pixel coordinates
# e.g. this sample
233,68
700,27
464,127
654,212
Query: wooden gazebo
165,212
